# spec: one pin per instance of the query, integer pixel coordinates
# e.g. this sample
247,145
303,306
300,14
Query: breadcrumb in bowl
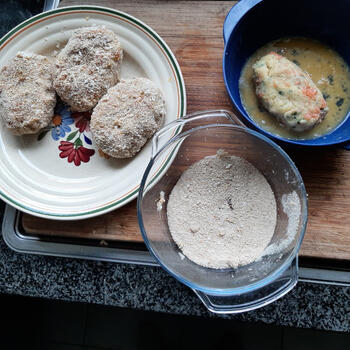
227,184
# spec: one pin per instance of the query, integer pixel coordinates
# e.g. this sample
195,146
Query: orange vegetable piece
309,91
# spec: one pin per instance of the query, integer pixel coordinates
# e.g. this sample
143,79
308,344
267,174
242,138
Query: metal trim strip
35,245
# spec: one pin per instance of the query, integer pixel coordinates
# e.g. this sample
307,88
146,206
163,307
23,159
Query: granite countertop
308,305
13,12
150,288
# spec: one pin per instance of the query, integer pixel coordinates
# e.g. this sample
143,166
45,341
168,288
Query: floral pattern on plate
77,126
61,121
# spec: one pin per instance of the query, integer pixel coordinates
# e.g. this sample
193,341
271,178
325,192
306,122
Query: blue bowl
252,23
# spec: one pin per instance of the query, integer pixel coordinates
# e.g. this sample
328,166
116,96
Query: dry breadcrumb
220,216
292,208
161,201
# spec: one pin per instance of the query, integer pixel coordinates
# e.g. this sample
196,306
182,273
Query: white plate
33,176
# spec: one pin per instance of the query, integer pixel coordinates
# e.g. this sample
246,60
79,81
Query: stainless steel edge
35,245
324,276
50,5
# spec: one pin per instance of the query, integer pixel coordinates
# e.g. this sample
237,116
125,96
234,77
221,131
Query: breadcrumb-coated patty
87,67
27,97
288,92
127,116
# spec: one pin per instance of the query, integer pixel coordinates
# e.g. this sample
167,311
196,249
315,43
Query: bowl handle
232,304
174,128
235,14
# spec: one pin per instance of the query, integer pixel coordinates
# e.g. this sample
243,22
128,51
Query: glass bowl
225,290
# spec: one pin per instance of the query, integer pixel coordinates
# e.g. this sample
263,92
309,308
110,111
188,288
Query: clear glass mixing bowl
184,142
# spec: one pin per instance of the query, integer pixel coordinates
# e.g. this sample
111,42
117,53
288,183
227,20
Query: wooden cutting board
193,30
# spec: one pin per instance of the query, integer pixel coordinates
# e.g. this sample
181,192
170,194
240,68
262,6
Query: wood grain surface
193,30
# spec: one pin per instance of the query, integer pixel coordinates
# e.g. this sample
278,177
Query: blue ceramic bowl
252,23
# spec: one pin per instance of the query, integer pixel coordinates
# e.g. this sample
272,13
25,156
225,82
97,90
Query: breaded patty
27,97
127,116
87,67
288,92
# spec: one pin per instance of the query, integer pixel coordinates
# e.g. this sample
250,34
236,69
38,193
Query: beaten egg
327,70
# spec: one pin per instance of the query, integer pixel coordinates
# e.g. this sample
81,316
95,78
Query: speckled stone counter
151,288
13,12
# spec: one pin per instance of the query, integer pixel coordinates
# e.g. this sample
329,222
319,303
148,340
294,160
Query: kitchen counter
308,305
315,306
13,12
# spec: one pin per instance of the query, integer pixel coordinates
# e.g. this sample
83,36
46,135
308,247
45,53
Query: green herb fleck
325,95
281,92
340,102
296,62
330,79
294,52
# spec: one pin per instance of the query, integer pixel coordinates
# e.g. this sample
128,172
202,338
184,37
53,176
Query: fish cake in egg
288,92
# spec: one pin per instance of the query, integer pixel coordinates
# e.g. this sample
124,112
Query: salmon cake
27,97
288,92
127,116
87,67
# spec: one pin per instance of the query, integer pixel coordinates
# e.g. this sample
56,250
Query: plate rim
13,33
